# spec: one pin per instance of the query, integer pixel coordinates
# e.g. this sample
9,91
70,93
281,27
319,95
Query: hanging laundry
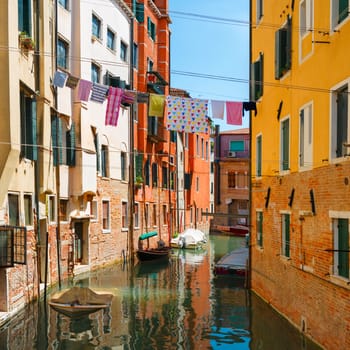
72,82
187,115
84,90
156,105
113,105
59,79
217,109
234,113
250,106
98,92
128,97
142,97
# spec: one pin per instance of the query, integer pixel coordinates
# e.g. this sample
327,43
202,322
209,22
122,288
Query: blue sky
216,46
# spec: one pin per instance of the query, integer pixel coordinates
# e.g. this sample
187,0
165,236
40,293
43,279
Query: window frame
123,51
111,46
259,228
95,72
96,26
11,207
64,4
136,215
105,160
259,162
336,18
341,247
306,136
305,17
283,49
124,215
64,213
285,234
106,215
28,210
62,60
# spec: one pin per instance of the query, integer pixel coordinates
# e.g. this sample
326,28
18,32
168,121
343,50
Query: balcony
155,83
156,131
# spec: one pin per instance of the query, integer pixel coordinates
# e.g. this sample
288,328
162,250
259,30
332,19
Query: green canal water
179,304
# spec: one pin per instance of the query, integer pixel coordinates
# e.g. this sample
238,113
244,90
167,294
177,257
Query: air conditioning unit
232,154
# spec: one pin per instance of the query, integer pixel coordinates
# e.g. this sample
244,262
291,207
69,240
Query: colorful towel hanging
156,105
234,113
113,105
84,90
59,79
98,92
217,109
72,82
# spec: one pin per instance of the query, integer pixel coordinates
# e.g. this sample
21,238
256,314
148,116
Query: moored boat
148,254
79,301
189,239
233,263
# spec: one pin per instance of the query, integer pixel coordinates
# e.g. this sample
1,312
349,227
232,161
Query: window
187,141
136,215
149,65
96,26
258,77
13,209
64,3
341,247
138,166
164,209
197,183
125,215
172,180
123,51
211,187
95,73
212,167
202,148
105,215
237,145
206,150
339,122
154,215
28,209
147,171
283,50
164,177
93,209
197,145
13,246
173,135
63,209
51,208
151,29
259,228
62,54
286,235
97,150
340,11
104,161
147,213
28,126
139,11
285,145
154,175
110,39
123,166
135,56
259,156
242,180
259,10
25,16
305,137
306,17
231,178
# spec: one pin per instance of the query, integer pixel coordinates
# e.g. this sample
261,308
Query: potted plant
138,181
26,41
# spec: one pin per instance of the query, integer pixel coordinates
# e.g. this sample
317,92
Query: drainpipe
131,192
58,188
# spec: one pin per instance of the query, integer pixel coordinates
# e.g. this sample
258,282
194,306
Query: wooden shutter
277,54
71,142
343,247
287,235
97,149
138,165
188,180
140,12
343,10
259,155
302,138
342,120
288,39
285,145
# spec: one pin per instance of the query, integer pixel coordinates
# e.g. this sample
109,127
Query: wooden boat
153,254
233,263
79,301
148,254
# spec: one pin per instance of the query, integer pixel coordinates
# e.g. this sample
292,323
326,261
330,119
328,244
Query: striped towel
128,97
84,90
113,106
98,93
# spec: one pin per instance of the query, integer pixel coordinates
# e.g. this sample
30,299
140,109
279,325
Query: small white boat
191,238
233,263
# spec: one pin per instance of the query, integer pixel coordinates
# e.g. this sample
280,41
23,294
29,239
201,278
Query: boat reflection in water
178,305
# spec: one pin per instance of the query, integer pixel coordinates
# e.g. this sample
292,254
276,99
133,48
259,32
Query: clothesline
183,114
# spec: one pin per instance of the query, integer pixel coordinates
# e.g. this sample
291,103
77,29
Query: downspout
217,163
131,192
58,187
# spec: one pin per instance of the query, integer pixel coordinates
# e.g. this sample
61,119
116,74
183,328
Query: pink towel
217,109
113,105
234,113
84,90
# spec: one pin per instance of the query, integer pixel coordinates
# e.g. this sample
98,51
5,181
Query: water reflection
178,304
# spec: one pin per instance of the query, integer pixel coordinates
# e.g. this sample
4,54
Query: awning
148,235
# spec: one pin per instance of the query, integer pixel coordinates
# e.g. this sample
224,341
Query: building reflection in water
178,304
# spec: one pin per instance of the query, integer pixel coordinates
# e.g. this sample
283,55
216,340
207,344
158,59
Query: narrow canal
180,304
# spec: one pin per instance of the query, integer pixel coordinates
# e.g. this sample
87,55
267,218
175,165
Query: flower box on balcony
26,42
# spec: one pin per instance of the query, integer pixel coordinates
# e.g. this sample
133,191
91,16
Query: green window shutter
259,155
187,182
277,54
138,165
287,235
56,135
153,31
147,174
288,34
237,146
97,150
140,12
71,144
154,175
343,10
343,247
32,133
285,145
25,16
149,25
